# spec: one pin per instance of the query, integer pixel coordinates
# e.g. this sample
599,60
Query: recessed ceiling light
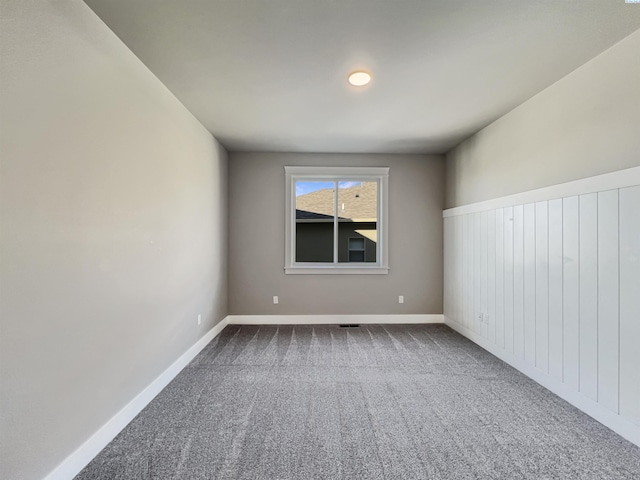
359,79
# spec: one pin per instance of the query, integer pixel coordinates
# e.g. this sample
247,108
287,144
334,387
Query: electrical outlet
401,299
199,319
275,299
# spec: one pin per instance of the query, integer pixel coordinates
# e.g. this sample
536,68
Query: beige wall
113,238
257,229
586,124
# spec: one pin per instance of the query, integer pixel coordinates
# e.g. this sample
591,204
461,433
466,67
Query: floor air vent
349,325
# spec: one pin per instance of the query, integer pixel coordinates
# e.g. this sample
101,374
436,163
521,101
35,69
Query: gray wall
586,124
257,229
113,238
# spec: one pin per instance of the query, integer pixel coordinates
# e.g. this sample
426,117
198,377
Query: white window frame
366,174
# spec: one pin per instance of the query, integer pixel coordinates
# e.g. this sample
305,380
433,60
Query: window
357,250
336,220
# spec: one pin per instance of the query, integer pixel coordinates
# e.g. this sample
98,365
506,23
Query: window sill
333,270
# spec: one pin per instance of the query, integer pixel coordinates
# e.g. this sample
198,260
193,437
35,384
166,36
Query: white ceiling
270,75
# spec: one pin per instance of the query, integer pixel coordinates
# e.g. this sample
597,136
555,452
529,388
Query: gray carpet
375,402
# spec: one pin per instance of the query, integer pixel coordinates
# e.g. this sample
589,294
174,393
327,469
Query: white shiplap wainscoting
549,281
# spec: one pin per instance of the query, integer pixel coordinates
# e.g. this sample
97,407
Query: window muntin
336,220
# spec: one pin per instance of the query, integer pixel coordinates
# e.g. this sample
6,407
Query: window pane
357,221
315,204
356,256
356,243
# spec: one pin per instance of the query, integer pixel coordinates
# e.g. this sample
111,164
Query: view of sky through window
302,188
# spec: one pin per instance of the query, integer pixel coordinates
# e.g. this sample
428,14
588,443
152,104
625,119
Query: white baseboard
79,459
75,462
332,319
615,422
